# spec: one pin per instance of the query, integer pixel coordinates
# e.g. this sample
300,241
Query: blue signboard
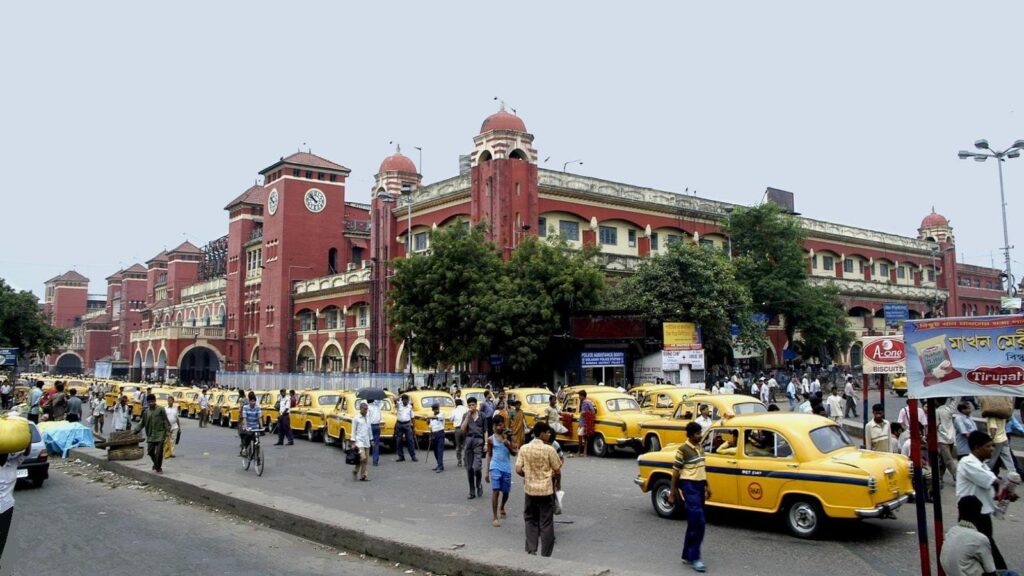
896,313
8,356
496,360
760,318
597,359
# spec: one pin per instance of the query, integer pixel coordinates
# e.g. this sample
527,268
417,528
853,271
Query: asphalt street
99,524
607,520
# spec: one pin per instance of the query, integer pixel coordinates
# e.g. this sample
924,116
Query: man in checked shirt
689,466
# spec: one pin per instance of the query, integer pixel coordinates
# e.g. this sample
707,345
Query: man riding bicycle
249,421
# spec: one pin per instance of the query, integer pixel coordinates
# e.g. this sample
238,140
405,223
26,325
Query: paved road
608,521
117,528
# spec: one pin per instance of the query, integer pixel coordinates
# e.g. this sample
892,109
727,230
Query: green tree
769,257
445,299
24,326
693,284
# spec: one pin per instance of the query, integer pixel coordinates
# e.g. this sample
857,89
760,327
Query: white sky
126,127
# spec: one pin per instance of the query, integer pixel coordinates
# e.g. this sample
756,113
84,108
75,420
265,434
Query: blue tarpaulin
60,437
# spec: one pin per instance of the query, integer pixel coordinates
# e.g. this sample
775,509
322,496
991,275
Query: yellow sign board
681,336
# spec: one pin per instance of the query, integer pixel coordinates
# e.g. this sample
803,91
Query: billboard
8,356
895,313
681,336
982,356
103,370
883,355
672,359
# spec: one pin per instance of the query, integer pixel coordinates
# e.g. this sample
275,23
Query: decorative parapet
204,288
882,290
334,282
178,333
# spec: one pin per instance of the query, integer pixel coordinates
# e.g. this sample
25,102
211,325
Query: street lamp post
1000,156
565,165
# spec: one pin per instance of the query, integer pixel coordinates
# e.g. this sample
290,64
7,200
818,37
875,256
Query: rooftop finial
398,148
933,209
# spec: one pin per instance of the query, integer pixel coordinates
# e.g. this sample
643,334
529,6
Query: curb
387,540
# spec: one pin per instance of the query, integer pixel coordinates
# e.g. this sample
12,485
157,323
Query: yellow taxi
221,405
185,398
478,393
235,411
339,422
162,394
616,424
422,402
800,465
118,389
662,401
268,407
899,385
659,431
535,402
190,405
640,390
309,416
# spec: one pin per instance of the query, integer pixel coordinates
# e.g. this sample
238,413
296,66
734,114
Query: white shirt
284,405
404,413
756,390
98,406
705,423
361,433
791,390
848,389
835,407
904,417
715,389
944,420
5,389
204,401
121,414
766,394
172,416
373,413
805,386
815,386
459,414
974,478
730,387
772,383
436,423
8,478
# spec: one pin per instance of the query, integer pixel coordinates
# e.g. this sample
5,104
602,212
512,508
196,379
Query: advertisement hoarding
981,356
883,355
681,336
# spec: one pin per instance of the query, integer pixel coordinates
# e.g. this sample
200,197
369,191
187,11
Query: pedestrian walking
1001,455
836,405
458,416
946,435
35,396
975,478
204,407
552,416
374,416
964,425
5,394
586,424
436,425
538,464
58,403
689,468
122,414
98,408
904,416
284,419
851,400
791,394
174,430
499,450
765,394
8,479
474,427
362,435
487,410
74,406
404,437
154,422
877,431
517,424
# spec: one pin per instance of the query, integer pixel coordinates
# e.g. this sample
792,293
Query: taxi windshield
327,400
537,398
748,408
621,404
428,401
830,438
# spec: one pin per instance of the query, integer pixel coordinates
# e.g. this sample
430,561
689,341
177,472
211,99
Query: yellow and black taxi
221,405
535,402
309,416
339,422
639,390
899,385
268,407
118,389
162,394
478,393
185,399
422,402
662,401
616,423
800,465
660,431
235,411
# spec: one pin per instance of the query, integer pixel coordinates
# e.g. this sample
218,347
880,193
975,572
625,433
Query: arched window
517,154
332,261
485,156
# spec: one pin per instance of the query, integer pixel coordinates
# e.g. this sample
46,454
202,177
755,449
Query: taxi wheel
599,447
804,517
308,431
328,439
653,443
659,498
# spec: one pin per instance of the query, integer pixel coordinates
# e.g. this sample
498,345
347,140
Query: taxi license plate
23,473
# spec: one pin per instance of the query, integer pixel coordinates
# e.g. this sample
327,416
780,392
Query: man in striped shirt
689,467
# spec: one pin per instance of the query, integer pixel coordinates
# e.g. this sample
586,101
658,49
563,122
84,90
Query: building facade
299,281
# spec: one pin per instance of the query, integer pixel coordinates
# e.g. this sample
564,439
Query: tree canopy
24,326
691,283
461,301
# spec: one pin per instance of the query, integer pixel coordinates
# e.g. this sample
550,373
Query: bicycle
253,452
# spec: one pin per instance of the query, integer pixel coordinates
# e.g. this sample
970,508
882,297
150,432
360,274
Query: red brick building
298,282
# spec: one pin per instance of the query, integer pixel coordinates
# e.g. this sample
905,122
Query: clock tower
303,235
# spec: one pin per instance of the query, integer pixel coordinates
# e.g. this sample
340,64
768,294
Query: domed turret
397,162
502,120
935,228
934,219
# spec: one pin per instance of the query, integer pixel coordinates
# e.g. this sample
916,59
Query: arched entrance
306,360
68,363
161,366
148,365
198,365
333,360
359,360
136,372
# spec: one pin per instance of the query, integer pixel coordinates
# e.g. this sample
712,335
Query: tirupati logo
886,351
997,376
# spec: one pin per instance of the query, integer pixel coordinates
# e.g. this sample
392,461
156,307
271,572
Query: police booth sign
884,355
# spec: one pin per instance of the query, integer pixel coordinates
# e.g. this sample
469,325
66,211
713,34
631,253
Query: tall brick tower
303,225
245,256
504,180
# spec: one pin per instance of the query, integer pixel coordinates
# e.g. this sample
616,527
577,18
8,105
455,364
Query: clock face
272,202
315,200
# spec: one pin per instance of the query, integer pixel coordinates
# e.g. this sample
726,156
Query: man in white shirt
766,394
404,437
172,433
704,419
815,385
944,416
965,550
805,385
5,395
715,390
975,478
122,414
755,390
362,434
835,406
284,419
374,416
436,426
877,432
904,416
730,387
851,400
458,415
791,394
204,408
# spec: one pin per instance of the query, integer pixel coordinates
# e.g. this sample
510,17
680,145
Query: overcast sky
125,128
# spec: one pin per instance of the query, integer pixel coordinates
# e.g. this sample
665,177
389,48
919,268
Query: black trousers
984,525
539,514
156,454
5,529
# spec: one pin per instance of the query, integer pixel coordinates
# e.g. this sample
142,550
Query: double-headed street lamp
1011,152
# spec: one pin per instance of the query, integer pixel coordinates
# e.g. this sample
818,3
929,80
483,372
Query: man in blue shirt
250,420
487,411
499,452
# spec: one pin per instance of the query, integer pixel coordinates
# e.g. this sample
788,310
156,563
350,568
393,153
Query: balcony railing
256,234
882,289
358,226
178,333
217,284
